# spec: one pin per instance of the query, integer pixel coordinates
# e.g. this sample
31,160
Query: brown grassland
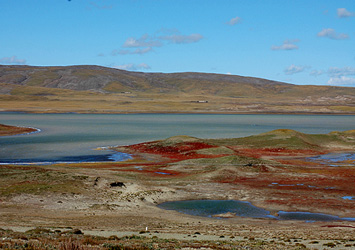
94,89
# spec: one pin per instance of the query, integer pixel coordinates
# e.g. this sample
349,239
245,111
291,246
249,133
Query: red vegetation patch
297,184
316,188
180,151
13,130
338,226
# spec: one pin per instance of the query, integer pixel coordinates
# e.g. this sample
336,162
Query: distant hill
115,80
161,92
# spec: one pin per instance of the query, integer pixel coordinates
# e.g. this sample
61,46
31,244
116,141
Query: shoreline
184,113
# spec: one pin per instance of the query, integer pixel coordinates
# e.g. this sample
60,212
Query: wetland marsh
274,170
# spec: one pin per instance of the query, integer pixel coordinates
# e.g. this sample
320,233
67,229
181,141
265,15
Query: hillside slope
70,88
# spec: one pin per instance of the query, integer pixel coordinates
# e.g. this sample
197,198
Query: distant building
200,101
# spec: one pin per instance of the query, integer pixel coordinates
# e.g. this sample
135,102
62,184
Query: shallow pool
107,156
216,208
335,159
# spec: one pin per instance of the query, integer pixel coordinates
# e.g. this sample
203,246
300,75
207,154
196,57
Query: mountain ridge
111,74
163,92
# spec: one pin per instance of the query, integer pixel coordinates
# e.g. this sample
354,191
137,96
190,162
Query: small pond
112,156
335,159
217,208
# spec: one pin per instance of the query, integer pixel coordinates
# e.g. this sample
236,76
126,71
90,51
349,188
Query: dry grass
44,100
92,89
48,239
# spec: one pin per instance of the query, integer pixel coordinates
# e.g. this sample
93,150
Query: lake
73,137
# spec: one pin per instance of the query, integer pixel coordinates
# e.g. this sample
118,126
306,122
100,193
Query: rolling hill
90,89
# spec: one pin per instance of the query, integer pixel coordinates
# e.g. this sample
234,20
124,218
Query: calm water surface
211,208
72,137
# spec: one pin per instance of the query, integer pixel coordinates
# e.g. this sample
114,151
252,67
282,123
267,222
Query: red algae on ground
180,151
6,130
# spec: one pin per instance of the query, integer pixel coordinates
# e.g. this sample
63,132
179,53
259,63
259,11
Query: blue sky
299,41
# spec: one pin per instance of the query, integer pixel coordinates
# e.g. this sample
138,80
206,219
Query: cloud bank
336,72
338,76
137,51
12,60
175,38
342,80
146,42
342,12
287,45
331,33
234,20
143,41
294,69
131,66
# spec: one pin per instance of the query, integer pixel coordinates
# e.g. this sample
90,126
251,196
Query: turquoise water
211,208
73,137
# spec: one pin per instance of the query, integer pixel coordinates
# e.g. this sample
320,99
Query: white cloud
131,66
100,6
330,33
12,60
234,20
137,51
343,80
176,38
287,45
342,12
336,72
144,41
316,72
294,69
